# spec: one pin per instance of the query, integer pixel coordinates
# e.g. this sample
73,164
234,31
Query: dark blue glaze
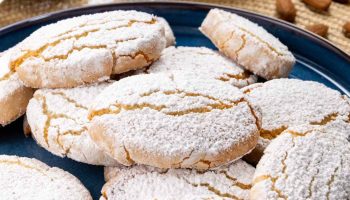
318,60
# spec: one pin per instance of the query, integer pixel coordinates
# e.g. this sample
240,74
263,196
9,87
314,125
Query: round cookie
204,62
168,32
88,49
14,96
290,102
28,178
58,122
306,162
173,120
226,182
248,44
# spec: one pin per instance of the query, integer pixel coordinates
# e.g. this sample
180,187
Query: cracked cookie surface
58,120
28,178
306,162
232,181
248,44
88,49
289,102
14,96
204,62
174,120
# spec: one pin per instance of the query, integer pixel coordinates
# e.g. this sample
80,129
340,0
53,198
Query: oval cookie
248,44
289,102
204,62
173,120
58,122
88,49
306,162
226,182
28,178
14,96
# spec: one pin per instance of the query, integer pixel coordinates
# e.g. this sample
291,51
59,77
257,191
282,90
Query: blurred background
327,18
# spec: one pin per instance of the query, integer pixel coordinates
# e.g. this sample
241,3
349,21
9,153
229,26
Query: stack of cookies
167,122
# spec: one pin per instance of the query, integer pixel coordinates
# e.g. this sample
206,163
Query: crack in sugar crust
248,44
14,96
203,61
150,183
131,34
178,107
117,108
303,102
318,160
58,119
224,45
8,79
23,178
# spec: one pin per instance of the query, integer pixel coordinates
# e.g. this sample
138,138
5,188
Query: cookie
174,120
88,49
168,32
14,96
226,182
306,162
58,122
290,102
248,44
204,62
28,178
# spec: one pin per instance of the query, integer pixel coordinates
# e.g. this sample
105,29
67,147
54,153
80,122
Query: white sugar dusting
141,182
289,102
203,61
26,178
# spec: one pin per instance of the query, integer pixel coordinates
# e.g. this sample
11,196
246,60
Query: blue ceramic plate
317,60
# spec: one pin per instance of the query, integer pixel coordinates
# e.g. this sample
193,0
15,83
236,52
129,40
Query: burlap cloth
15,10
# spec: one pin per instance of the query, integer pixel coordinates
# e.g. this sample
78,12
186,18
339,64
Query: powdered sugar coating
26,178
88,49
248,44
111,172
289,102
226,182
168,32
58,121
14,96
173,120
7,78
204,62
306,162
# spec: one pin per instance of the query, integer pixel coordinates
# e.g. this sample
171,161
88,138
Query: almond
342,1
322,5
346,29
319,29
286,10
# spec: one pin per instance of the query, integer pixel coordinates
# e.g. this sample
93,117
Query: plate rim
193,5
